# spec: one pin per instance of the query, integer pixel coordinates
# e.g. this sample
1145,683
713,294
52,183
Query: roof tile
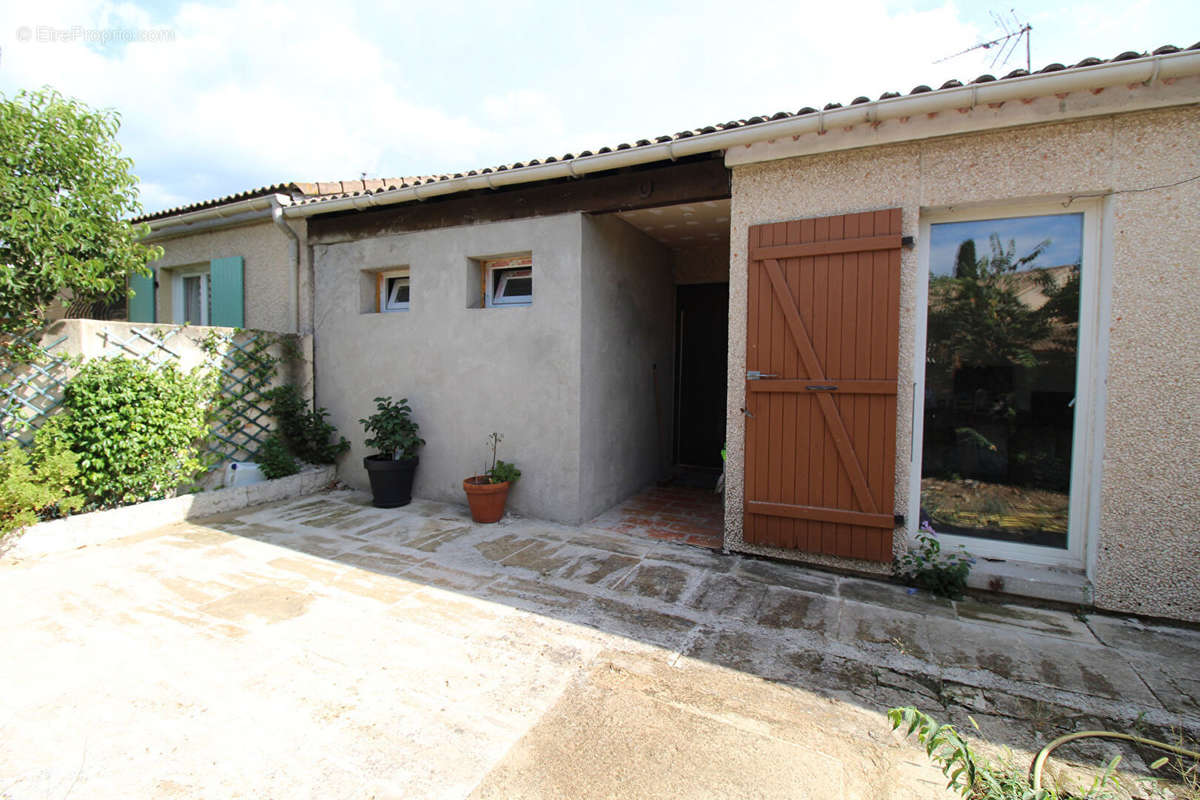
306,192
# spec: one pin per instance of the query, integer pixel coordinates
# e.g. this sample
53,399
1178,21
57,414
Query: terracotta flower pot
486,499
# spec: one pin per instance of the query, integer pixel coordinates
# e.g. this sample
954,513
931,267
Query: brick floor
674,514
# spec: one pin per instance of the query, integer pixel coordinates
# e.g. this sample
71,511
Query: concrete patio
320,647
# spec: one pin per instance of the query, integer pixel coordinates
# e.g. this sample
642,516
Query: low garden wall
103,415
76,531
249,364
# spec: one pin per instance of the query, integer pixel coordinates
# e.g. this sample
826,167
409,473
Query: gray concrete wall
267,261
627,338
1145,542
466,371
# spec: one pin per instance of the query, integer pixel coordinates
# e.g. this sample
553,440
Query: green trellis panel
29,395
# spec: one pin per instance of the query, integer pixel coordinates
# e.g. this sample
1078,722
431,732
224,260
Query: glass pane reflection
1000,376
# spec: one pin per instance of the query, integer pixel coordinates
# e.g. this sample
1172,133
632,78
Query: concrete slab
1048,622
320,647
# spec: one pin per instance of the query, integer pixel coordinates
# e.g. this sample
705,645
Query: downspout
294,272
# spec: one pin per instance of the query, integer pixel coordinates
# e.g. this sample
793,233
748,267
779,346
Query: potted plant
394,435
488,493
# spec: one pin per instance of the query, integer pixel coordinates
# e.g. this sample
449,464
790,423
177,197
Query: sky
1063,231
217,98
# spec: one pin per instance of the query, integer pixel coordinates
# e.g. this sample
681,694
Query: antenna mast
1014,31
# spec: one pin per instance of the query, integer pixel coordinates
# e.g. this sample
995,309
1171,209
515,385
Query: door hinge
755,375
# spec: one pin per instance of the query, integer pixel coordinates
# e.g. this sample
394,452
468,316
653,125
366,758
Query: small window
191,295
509,282
393,290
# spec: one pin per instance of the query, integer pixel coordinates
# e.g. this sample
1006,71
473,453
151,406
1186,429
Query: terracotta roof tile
306,193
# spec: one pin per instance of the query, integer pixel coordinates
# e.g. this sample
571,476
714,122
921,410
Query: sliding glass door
1002,380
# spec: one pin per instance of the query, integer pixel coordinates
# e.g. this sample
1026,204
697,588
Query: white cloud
260,91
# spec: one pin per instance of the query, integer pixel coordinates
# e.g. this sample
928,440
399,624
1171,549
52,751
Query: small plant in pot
394,434
487,494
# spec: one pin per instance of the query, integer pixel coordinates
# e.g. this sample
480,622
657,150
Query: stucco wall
1148,558
627,340
267,262
465,371
1149,526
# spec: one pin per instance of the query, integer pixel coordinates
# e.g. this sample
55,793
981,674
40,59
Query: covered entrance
684,503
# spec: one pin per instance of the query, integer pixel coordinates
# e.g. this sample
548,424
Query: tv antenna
1014,31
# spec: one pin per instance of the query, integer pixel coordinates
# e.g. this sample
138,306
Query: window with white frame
392,290
191,295
508,281
1005,396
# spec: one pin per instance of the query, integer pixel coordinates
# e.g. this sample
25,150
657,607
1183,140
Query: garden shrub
137,429
36,484
274,459
304,431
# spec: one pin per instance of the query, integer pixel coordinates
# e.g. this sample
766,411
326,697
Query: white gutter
1121,73
222,216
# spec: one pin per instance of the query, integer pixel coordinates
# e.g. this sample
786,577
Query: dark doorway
701,350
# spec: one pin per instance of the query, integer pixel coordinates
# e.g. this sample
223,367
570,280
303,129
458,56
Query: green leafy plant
37,484
274,458
504,471
137,429
499,471
927,567
943,744
66,195
978,778
393,431
303,430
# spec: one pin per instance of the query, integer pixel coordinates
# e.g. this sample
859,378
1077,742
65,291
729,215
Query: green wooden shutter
141,298
225,277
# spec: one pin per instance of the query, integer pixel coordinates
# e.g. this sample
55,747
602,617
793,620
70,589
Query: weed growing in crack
924,565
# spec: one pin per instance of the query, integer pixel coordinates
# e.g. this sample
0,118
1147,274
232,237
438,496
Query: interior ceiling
684,225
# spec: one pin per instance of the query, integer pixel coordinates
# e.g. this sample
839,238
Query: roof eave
1098,76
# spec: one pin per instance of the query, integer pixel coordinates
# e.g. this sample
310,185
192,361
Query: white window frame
383,302
177,300
491,299
1086,448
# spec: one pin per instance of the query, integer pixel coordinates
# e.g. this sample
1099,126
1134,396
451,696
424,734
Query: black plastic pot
391,481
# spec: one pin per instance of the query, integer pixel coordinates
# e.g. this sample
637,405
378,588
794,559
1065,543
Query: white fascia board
982,117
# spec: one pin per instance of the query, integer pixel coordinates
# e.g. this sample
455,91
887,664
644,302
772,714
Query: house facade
845,291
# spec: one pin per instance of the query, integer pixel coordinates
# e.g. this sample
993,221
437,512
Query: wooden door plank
749,431
808,386
860,244
835,515
788,402
762,410
775,525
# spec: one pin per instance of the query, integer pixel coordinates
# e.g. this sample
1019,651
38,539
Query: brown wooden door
823,329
